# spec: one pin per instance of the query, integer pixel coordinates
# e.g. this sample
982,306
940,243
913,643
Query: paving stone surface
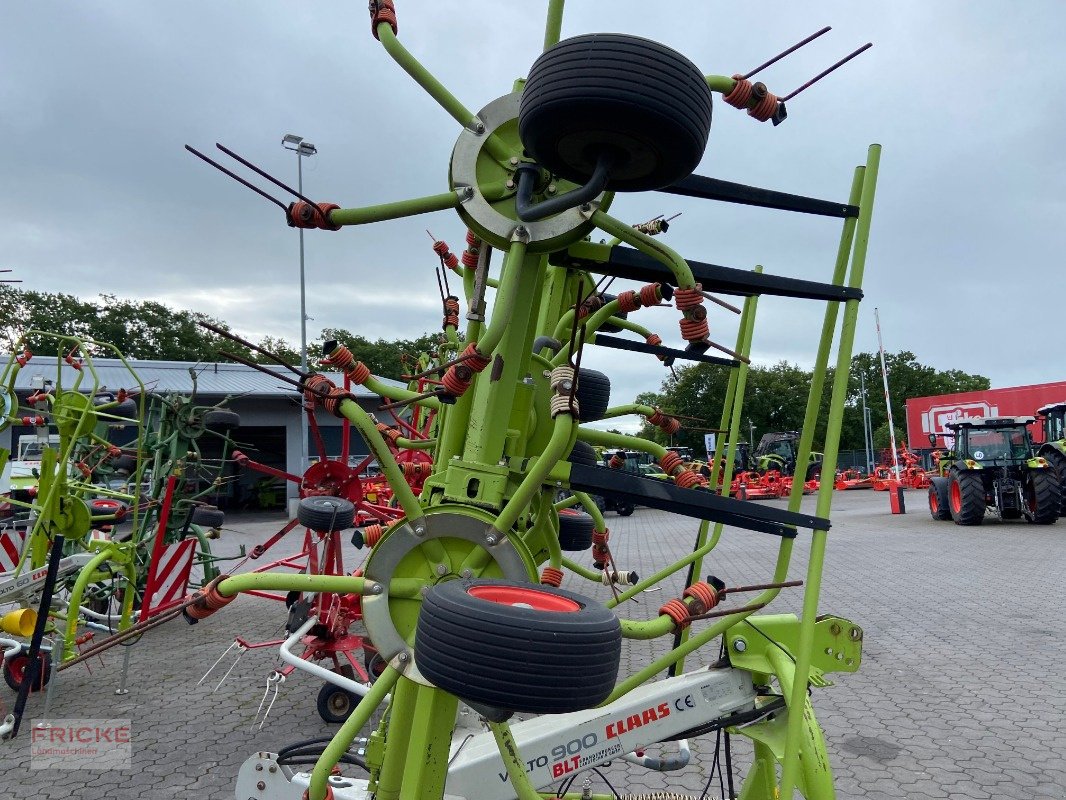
961,694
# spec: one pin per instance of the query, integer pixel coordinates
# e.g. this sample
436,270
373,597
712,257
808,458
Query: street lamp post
303,150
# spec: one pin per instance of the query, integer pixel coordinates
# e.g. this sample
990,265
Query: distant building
269,409
927,415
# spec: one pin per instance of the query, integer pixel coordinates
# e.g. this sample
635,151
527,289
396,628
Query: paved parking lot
962,691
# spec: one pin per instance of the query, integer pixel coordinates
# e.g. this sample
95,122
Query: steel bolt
467,573
835,629
740,645
258,767
272,769
376,588
403,657
261,785
441,569
510,184
514,161
491,539
551,188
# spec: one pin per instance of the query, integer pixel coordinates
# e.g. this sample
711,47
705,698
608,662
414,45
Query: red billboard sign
927,415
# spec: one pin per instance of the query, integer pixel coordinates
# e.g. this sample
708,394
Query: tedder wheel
16,666
939,506
221,420
1043,496
124,464
583,453
624,509
966,498
335,704
324,514
593,394
207,517
1058,464
575,530
518,647
644,106
106,507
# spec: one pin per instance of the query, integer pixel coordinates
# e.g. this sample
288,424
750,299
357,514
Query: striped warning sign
169,575
11,542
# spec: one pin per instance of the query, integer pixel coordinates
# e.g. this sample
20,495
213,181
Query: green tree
882,440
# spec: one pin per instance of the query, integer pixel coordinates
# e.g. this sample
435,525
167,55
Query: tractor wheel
1043,496
814,471
939,503
1058,463
593,394
582,454
966,498
207,517
325,514
222,420
16,666
517,646
643,104
575,530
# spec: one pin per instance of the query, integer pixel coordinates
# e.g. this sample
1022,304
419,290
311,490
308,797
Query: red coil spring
24,358
704,594
451,312
678,612
476,361
670,425
457,379
695,330
210,602
414,470
685,299
764,109
550,576
470,258
671,462
38,420
650,295
740,95
323,220
654,339
372,534
601,537
342,358
440,247
392,434
616,462
628,301
689,302
687,479
381,11
472,240
657,418
316,388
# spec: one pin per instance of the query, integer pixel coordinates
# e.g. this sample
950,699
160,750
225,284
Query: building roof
212,379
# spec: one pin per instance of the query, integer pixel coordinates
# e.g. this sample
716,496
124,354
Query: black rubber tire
593,394
335,704
324,514
221,420
939,508
608,327
814,471
624,508
1058,463
583,453
519,658
644,103
105,507
966,498
575,531
207,517
15,667
1043,496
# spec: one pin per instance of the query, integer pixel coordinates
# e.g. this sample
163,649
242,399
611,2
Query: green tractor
1053,450
992,466
778,451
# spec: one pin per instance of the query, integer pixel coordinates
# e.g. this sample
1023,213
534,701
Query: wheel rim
956,497
17,666
524,598
339,703
934,506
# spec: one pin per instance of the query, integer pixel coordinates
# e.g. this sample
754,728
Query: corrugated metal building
269,409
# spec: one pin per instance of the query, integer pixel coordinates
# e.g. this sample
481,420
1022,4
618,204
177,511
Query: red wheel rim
17,667
956,497
108,505
524,598
934,506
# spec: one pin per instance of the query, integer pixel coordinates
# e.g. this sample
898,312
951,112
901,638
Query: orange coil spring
628,301
704,594
392,434
654,339
657,418
451,312
686,299
457,379
472,240
690,303
372,535
470,258
601,537
342,358
85,637
447,256
24,358
740,95
671,462
329,790
320,389
687,479
476,362
678,612
670,425
414,470
694,330
38,420
650,295
381,11
210,602
550,576
765,108
616,462
323,220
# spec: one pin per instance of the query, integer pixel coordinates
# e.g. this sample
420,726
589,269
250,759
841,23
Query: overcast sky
965,260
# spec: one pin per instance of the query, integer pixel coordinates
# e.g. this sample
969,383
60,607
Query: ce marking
681,703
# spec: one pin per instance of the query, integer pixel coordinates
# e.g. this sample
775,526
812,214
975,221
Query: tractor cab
1053,420
993,440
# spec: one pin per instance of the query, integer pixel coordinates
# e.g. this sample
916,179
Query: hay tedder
460,594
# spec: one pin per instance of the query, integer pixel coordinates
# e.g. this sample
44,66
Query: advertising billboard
927,415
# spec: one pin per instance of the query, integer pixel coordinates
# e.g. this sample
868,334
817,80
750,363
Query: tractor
778,451
992,466
1053,450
